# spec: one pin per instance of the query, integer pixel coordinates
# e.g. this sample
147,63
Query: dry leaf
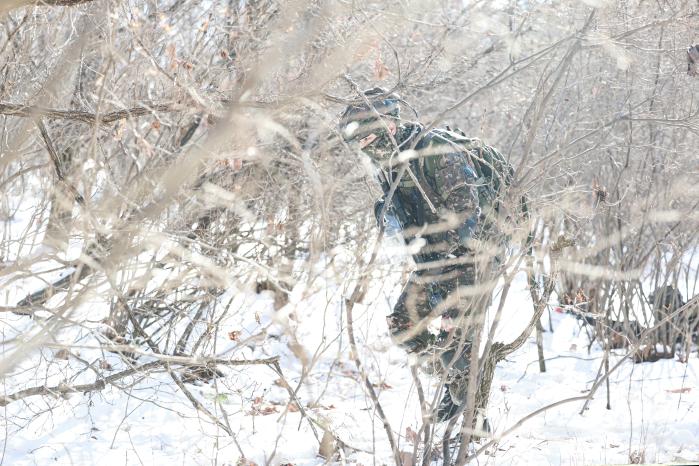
267,410
171,52
62,354
382,386
299,351
381,72
320,406
234,335
407,459
281,383
411,435
293,408
245,462
327,446
680,390
262,410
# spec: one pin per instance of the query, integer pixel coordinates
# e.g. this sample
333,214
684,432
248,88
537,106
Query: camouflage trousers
443,351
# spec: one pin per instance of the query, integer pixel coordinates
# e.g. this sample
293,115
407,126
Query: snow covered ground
654,406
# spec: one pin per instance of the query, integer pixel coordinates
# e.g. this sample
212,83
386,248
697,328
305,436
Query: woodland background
179,212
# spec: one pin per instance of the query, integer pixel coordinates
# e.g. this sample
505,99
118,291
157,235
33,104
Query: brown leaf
234,335
407,459
381,72
680,390
155,124
267,410
281,383
104,364
411,435
262,410
245,462
327,446
257,318
382,386
293,408
320,406
62,354
352,374
299,351
171,52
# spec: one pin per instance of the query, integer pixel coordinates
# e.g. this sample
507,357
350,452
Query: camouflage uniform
443,209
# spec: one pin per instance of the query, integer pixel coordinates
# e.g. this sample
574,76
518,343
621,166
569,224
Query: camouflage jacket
455,188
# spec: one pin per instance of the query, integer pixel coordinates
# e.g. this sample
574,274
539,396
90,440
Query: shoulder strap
425,184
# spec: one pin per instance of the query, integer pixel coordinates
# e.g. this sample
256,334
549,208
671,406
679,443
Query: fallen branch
41,296
64,388
202,409
59,2
33,111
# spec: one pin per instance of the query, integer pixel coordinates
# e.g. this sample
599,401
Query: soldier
665,300
444,201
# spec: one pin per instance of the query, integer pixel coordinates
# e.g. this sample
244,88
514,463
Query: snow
150,421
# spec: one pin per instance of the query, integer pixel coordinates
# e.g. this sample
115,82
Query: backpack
494,173
487,170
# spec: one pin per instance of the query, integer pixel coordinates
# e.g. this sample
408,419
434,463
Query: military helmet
364,117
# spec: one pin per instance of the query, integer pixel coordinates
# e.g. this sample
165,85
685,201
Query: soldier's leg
406,322
456,338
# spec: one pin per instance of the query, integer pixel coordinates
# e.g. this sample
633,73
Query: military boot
447,408
457,370
456,388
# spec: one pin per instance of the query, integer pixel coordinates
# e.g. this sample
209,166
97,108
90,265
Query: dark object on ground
200,374
281,297
692,60
650,353
665,300
621,333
